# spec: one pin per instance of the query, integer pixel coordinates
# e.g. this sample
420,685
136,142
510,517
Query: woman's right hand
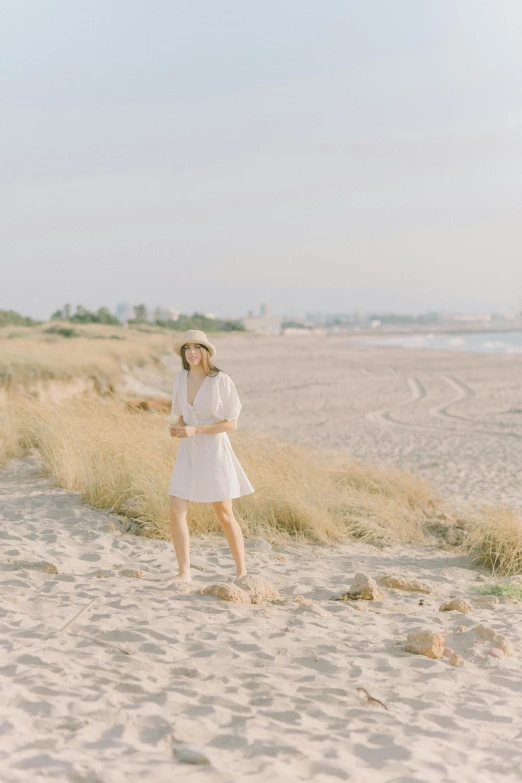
173,426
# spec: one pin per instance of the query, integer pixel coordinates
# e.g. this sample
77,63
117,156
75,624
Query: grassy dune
31,358
122,459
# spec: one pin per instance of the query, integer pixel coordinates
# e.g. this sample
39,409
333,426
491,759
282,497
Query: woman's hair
206,361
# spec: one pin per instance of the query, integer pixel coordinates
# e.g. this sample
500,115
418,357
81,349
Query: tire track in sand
384,415
465,392
418,392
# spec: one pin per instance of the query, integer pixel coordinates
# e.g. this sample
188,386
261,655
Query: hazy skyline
339,156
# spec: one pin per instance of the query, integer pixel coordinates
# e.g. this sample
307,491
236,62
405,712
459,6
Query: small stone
456,660
364,588
457,605
104,573
481,578
496,652
35,565
227,592
405,583
281,558
131,572
187,754
461,629
426,643
258,589
448,652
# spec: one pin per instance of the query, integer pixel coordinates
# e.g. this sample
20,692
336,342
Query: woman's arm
219,426
203,429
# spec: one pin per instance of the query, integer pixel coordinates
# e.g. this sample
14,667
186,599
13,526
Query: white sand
454,417
267,693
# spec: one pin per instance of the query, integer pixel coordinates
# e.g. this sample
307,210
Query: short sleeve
176,404
225,402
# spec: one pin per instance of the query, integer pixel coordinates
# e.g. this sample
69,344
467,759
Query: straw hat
193,336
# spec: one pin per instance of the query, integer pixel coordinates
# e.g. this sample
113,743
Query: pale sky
321,155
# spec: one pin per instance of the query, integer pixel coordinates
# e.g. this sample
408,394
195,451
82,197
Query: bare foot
243,573
179,578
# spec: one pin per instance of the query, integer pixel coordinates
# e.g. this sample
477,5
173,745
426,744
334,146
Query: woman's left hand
183,432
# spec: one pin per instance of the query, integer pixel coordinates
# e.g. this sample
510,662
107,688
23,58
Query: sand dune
251,692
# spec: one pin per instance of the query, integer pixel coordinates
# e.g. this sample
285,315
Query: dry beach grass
118,458
121,459
495,538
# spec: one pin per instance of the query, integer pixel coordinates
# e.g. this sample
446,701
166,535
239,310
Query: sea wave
500,342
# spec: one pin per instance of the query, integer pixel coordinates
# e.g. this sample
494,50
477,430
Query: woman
206,471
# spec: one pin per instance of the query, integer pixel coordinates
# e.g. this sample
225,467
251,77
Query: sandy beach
152,684
453,417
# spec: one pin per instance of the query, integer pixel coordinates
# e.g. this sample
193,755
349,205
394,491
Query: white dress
206,467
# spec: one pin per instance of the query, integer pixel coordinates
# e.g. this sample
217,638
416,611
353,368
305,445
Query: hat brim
178,345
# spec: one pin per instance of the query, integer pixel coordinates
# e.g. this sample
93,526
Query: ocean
478,342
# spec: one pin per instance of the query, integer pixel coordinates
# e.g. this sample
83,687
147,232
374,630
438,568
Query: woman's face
193,353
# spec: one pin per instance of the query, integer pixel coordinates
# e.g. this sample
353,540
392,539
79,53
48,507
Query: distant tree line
11,318
199,321
83,316
141,316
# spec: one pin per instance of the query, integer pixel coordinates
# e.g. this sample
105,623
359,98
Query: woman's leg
233,533
180,537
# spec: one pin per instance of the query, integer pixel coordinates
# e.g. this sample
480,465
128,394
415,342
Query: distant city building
124,312
265,323
166,314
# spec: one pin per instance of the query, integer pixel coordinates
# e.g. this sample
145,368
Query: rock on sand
226,592
426,643
363,588
457,605
398,582
258,589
